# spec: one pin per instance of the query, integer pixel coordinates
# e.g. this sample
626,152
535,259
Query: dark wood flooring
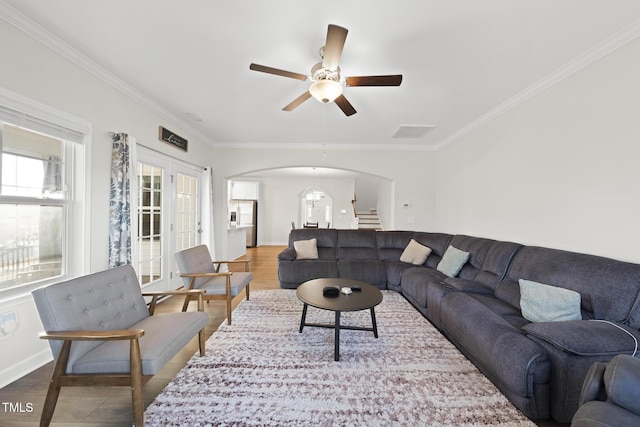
111,406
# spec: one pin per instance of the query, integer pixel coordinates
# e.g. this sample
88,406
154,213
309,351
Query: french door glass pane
150,214
186,212
31,239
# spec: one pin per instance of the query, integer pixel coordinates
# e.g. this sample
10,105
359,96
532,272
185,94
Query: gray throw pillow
452,261
545,303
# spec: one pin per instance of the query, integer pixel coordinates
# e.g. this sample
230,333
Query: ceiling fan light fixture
325,90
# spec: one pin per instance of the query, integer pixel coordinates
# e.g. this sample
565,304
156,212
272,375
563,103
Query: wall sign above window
171,138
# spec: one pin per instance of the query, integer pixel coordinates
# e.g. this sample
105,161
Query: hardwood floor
111,406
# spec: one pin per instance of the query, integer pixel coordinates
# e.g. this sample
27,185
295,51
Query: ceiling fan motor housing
318,72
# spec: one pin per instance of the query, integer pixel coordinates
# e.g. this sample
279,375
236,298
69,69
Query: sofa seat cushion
299,271
395,270
415,281
509,313
164,336
586,337
466,285
218,285
505,355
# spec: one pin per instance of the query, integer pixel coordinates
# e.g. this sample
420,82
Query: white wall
366,193
279,205
560,170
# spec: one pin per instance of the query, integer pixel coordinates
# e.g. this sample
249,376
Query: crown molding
316,146
600,50
48,39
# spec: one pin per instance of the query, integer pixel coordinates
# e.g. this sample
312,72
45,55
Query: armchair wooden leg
201,338
201,342
54,385
137,397
228,310
247,291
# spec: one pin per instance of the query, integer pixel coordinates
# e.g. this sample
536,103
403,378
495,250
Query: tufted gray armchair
101,333
199,271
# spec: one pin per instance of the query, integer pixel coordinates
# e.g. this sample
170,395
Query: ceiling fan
327,83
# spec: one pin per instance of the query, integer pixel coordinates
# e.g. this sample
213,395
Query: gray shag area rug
261,371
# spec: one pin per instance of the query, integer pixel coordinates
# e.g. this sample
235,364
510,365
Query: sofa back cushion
326,240
357,244
477,248
391,244
608,288
496,263
438,242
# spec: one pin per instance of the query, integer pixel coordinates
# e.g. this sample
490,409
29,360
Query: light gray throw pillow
545,303
415,253
452,261
306,249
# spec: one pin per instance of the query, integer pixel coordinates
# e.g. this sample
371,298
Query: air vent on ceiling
412,131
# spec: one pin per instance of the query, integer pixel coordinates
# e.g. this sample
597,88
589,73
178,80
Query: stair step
368,220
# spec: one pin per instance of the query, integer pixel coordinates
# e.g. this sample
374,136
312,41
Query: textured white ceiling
462,60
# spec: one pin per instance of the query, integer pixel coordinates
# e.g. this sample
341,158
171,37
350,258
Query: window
38,200
33,207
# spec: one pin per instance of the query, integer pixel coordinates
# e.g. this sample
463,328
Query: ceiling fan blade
336,37
277,72
345,106
392,80
299,100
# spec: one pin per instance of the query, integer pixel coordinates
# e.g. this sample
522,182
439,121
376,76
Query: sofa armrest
586,337
466,285
289,254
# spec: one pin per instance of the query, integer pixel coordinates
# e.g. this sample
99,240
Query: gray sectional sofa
539,364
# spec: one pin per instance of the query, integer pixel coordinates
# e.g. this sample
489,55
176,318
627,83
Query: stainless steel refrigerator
246,216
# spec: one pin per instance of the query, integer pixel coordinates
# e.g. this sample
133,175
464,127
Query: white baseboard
15,372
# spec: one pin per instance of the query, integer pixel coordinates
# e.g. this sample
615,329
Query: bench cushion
218,285
164,336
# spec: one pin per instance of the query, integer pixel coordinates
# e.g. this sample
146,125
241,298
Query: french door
168,211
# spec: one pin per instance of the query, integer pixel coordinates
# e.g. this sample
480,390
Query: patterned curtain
120,203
